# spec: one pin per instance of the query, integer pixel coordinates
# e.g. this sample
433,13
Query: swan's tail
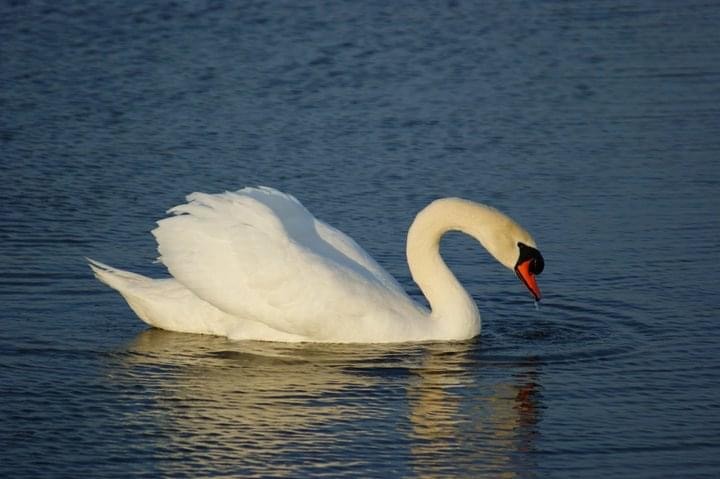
138,290
162,303
115,278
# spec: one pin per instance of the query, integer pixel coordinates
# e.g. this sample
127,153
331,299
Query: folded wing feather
259,254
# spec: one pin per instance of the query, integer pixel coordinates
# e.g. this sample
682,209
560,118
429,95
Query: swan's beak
528,278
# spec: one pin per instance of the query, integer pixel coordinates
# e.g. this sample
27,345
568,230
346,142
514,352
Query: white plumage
255,264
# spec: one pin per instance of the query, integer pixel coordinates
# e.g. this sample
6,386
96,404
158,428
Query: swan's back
259,255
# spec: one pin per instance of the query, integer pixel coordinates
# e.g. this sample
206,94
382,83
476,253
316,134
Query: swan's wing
293,214
348,247
259,254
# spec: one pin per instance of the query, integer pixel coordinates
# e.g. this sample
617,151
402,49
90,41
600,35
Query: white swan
255,264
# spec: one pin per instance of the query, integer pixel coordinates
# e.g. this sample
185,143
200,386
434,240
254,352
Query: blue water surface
595,124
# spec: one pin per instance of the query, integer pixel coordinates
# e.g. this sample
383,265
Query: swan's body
255,264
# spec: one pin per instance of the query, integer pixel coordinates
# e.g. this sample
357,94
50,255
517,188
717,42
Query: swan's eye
528,253
538,264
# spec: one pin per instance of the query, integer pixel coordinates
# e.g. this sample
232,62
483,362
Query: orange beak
523,272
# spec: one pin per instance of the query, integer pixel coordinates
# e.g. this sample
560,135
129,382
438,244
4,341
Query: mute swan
255,264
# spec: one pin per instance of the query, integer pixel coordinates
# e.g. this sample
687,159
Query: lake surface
595,124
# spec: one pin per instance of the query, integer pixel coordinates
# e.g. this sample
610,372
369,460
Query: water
595,125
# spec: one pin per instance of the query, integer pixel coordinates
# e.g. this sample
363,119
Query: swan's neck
451,305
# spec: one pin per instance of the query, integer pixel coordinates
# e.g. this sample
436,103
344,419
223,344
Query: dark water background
595,124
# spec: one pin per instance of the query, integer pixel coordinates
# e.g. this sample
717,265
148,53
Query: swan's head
529,264
509,243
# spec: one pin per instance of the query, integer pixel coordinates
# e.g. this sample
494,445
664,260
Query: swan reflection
286,409
462,416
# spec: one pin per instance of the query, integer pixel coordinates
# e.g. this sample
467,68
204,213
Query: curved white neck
449,301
